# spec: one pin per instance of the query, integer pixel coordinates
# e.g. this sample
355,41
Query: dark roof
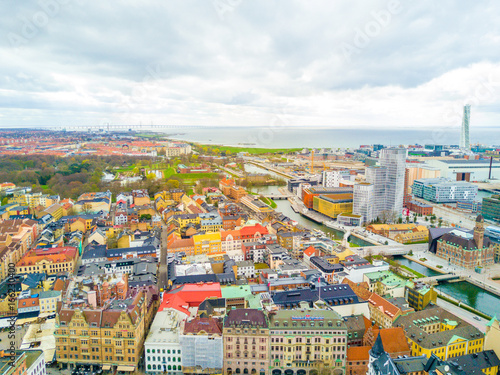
466,244
209,325
193,279
94,251
141,250
339,294
477,361
378,347
245,318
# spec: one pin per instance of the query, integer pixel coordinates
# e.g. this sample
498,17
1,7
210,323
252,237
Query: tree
400,220
151,176
173,184
5,201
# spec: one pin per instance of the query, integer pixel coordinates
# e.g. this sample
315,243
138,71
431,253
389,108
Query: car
477,317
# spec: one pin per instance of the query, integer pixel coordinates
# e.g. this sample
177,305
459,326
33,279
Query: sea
300,137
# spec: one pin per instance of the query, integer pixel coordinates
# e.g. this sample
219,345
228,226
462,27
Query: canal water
470,294
284,207
416,266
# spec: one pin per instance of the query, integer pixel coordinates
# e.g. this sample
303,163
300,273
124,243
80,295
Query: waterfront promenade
482,280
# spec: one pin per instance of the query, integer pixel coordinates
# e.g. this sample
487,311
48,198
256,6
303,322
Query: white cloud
183,62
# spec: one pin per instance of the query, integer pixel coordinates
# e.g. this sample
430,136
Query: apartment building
110,335
439,332
49,260
307,339
246,342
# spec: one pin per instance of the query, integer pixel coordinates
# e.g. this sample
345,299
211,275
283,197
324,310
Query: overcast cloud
242,62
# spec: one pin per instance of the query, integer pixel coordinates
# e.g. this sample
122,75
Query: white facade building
363,201
334,177
162,349
35,362
246,268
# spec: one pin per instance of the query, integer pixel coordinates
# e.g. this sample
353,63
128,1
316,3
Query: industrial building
467,169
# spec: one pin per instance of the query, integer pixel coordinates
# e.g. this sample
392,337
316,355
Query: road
163,267
463,314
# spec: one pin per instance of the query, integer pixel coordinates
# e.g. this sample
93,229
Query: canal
470,294
285,208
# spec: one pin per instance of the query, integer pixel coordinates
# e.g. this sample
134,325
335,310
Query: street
464,314
162,262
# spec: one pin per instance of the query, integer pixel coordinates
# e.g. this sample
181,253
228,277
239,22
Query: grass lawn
268,201
253,150
353,244
167,173
418,274
125,169
196,176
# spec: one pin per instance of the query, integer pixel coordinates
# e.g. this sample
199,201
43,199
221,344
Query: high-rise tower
464,135
394,161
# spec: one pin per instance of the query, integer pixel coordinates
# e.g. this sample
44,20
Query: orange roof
361,289
181,242
310,251
385,306
393,339
358,353
235,233
251,230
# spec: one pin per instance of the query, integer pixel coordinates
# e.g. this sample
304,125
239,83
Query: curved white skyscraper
464,135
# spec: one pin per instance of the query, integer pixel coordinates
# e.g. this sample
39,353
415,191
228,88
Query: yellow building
32,200
49,261
255,204
419,295
208,243
437,331
55,210
48,301
331,206
412,237
492,338
185,219
110,337
307,341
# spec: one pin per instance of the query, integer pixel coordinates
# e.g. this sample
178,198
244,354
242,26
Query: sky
339,64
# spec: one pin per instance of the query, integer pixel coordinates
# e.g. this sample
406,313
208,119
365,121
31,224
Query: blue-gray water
298,137
468,293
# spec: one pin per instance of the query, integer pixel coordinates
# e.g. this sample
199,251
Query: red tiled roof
385,306
358,353
190,295
393,339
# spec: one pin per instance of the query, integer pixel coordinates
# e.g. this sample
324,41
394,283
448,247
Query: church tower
479,232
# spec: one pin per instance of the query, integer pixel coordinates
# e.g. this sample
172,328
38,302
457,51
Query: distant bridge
391,251
114,127
433,280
